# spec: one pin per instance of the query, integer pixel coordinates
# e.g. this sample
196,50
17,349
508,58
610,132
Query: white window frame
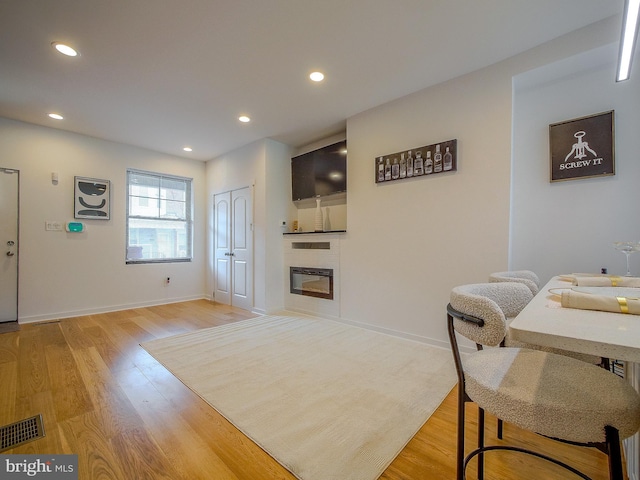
157,218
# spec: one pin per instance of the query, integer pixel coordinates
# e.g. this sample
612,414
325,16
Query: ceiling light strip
628,39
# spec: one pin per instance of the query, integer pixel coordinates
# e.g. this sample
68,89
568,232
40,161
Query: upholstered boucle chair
553,395
511,301
527,277
531,280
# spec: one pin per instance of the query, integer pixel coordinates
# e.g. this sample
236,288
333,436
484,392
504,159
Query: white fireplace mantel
314,250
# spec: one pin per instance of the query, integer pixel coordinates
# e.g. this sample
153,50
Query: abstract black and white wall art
91,199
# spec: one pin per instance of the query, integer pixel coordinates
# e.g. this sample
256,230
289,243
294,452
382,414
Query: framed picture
583,147
91,198
418,162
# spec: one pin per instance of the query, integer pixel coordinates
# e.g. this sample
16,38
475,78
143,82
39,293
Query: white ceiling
162,74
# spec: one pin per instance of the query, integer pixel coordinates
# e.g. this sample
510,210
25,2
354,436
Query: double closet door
9,181
233,248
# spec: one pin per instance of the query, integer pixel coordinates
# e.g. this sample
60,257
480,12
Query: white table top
545,322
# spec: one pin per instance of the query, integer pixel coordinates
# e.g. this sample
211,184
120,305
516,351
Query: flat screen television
320,172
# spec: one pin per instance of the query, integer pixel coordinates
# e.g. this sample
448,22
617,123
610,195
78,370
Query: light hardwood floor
104,398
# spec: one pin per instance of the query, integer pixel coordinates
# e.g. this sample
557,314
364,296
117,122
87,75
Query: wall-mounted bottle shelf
315,233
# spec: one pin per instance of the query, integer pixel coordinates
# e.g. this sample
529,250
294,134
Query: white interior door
9,181
233,248
222,247
242,249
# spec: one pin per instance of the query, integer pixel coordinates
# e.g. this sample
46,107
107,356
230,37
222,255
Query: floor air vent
21,432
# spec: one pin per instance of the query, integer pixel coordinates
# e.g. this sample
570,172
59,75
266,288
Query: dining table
544,321
609,334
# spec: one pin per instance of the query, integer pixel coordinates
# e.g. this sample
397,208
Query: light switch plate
53,226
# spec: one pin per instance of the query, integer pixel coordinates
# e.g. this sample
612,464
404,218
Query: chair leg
480,443
461,420
614,453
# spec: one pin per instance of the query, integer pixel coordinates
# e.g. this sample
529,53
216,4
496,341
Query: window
159,218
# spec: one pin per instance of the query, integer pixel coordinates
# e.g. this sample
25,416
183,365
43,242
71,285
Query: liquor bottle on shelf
387,170
428,163
418,168
437,160
380,170
409,165
403,166
448,160
395,169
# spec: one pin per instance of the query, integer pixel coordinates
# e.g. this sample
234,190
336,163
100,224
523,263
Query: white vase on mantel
319,222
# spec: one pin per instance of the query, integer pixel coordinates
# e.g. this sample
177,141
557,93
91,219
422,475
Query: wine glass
627,248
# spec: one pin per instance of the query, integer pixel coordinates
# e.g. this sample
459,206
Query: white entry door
9,180
233,248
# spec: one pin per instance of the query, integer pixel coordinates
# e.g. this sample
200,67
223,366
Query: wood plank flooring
104,398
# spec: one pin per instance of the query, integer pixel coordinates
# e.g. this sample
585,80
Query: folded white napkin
607,281
587,301
596,280
571,277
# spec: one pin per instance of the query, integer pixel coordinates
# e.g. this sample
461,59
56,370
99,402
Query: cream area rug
328,401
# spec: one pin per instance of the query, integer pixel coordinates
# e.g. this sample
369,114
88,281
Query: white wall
278,209
570,226
233,171
64,274
409,242
265,166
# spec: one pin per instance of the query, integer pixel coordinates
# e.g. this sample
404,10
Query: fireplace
312,282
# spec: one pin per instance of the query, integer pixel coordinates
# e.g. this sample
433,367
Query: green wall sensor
75,227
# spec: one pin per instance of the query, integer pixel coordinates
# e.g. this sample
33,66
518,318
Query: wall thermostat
75,227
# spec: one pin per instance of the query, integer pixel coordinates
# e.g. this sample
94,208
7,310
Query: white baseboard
113,308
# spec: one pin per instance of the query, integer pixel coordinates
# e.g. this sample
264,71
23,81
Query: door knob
10,254
11,243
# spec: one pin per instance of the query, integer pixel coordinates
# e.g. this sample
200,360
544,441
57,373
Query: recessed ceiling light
56,116
65,49
317,76
188,149
244,119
